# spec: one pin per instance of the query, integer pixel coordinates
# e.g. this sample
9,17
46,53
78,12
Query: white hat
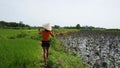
47,26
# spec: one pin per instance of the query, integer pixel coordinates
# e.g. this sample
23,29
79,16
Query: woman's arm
52,33
39,31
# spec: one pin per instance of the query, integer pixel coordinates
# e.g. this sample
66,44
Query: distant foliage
91,28
4,24
56,26
114,30
78,26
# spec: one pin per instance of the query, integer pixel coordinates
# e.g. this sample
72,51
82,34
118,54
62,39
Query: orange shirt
46,35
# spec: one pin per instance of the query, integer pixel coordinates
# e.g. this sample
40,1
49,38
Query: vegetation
4,24
78,26
21,49
21,25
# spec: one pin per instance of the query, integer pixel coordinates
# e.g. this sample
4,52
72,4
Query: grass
22,49
19,53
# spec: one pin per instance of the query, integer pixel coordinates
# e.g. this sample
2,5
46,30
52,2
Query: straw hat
47,26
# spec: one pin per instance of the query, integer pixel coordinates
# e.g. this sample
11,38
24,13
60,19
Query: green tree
78,26
56,26
21,24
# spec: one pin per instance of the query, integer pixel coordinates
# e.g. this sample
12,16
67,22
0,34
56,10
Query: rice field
22,49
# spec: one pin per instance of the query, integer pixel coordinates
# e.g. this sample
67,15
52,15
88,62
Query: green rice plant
19,53
25,51
62,58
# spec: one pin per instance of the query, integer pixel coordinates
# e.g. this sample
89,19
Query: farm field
21,49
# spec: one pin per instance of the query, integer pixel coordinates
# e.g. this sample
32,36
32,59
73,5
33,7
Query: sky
97,13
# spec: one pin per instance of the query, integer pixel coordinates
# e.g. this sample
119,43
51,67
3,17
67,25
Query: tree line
4,24
19,25
77,26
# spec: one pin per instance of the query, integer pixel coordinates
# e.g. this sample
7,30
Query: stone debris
98,49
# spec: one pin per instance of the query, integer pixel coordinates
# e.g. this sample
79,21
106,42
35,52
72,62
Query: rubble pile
98,49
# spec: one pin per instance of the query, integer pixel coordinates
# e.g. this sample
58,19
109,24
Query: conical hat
47,26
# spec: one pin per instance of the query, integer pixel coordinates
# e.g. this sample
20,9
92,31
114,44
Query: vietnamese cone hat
47,26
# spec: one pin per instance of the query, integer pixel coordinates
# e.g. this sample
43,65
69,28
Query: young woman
46,33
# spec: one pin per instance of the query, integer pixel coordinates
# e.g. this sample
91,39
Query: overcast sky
98,13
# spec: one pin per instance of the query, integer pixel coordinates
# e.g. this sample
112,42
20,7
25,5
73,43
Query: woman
46,40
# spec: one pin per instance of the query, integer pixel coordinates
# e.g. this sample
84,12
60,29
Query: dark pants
45,43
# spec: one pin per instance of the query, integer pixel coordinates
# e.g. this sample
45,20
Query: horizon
60,26
96,13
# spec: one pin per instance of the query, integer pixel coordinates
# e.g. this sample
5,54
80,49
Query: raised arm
52,33
39,31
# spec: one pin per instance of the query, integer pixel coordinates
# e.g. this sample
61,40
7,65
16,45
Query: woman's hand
39,31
